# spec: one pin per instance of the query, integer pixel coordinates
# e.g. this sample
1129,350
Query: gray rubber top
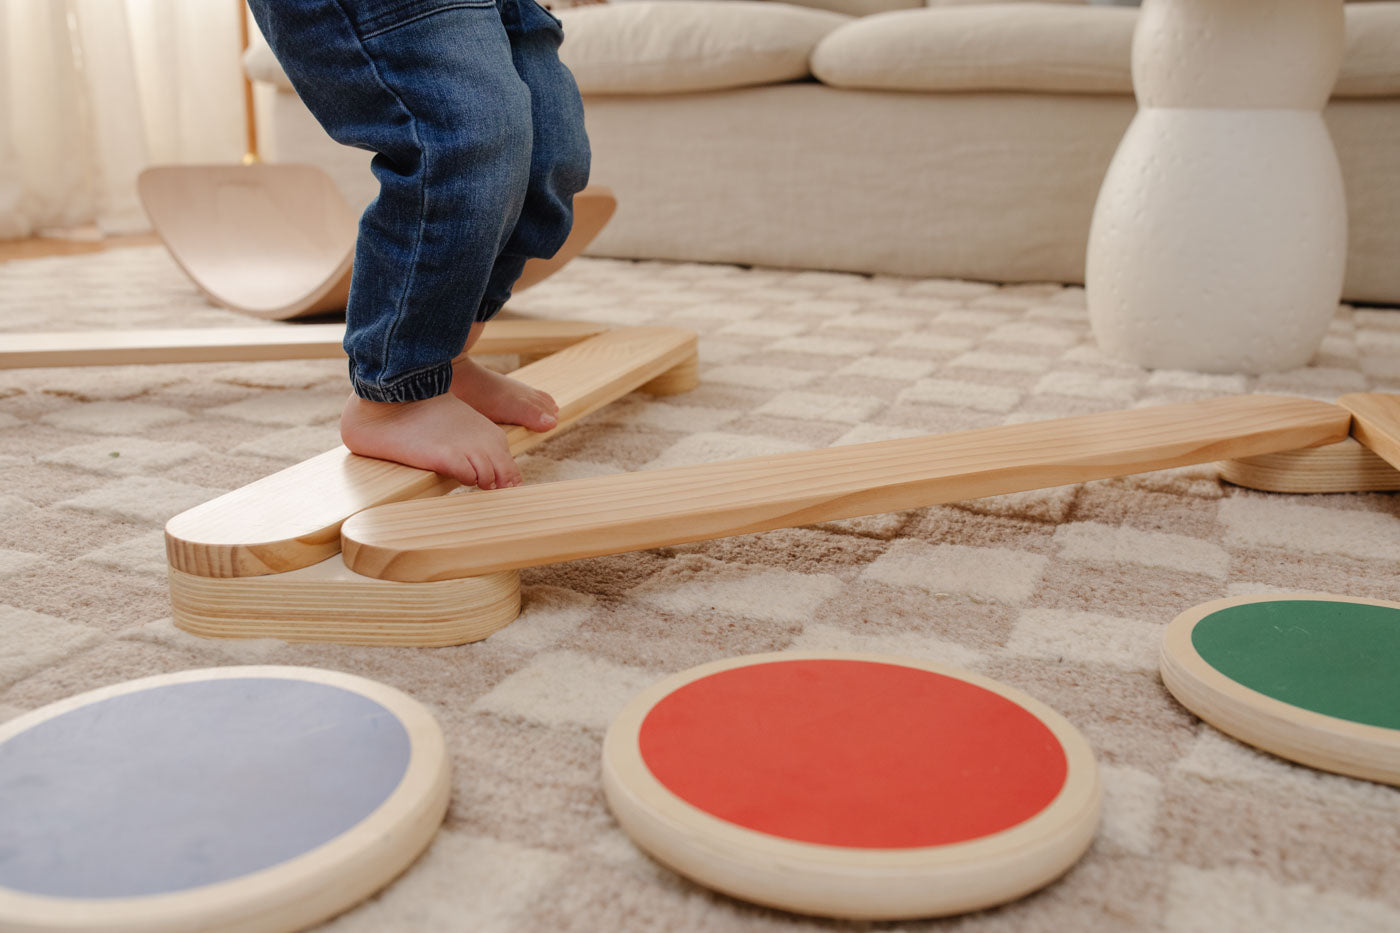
186,785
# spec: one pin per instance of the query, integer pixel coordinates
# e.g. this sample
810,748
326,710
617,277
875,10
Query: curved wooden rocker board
278,240
273,241
1309,677
728,774
508,529
304,790
262,561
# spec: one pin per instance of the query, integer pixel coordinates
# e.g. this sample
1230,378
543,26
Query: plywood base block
328,602
1345,467
682,378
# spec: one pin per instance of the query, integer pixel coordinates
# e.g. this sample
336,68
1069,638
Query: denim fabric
477,130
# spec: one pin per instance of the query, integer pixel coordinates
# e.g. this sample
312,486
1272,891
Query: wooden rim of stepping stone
849,785
1308,676
240,798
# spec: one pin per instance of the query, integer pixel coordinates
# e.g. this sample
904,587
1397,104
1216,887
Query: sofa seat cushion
1050,48
675,46
1040,47
1371,67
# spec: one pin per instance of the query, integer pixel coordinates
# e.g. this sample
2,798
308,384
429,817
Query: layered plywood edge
1367,461
263,561
531,525
1348,466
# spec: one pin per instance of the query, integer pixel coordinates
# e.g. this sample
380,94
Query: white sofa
964,141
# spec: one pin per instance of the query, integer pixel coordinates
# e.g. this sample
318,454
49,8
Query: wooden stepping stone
507,529
228,799
852,785
1309,677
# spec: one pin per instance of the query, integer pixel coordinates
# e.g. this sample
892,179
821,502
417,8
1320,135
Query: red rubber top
853,753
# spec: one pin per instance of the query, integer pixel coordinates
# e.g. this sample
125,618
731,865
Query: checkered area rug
1062,593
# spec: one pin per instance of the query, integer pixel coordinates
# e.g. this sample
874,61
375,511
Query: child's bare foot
501,398
439,434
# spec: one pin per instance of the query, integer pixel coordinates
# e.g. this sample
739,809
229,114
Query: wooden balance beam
446,539
234,344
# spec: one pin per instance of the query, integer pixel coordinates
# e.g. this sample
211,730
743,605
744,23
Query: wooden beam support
1376,423
292,519
526,526
1348,466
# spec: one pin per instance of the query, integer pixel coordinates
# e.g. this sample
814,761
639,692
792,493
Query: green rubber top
1335,658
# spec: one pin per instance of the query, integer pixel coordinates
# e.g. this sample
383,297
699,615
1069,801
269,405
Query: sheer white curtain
93,91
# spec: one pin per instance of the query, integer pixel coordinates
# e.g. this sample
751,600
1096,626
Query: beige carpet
1061,593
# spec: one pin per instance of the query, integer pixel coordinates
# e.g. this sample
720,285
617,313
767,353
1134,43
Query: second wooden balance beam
505,530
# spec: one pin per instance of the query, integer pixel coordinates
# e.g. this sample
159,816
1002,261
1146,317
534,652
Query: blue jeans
477,130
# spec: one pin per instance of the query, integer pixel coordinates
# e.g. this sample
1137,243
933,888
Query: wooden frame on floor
263,560
419,568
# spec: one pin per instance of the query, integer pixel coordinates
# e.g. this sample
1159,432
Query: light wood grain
522,527
294,894
1376,423
329,603
291,519
1300,735
1348,466
273,342
832,881
45,246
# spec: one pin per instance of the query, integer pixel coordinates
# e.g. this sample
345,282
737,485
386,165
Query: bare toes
485,471
507,474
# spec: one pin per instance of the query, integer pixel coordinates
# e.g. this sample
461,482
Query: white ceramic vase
1218,242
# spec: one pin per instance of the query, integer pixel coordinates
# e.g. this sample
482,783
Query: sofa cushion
1371,66
674,46
859,7
1004,46
1051,48
849,7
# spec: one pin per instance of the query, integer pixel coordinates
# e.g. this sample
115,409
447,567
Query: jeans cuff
413,387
